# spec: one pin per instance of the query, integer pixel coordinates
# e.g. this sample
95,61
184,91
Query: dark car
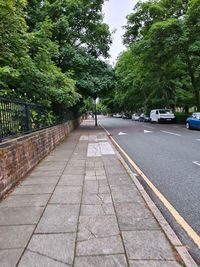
193,122
126,116
144,118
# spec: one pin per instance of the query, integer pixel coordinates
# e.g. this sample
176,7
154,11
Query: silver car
135,117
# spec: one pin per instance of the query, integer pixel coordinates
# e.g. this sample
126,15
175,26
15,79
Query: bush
181,117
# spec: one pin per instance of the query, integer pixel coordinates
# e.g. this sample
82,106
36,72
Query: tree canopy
161,65
53,52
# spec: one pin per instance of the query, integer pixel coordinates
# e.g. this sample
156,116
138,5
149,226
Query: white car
162,115
135,117
117,115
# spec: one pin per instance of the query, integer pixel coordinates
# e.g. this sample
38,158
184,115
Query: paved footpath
79,207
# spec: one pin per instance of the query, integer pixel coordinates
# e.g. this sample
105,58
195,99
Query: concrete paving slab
47,162
136,210
55,246
90,177
153,263
66,195
25,200
59,219
97,226
130,195
9,257
101,177
91,187
15,236
91,199
31,259
117,180
34,189
40,181
100,246
77,163
20,215
97,210
147,245
45,168
68,189
101,261
74,171
66,198
76,180
46,173
130,223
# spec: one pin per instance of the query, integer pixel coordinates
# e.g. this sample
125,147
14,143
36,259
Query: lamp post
95,111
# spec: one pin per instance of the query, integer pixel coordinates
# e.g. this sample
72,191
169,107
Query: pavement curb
174,240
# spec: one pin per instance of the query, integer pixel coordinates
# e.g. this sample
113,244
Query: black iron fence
18,117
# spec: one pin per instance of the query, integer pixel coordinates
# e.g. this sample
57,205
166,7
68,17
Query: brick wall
18,156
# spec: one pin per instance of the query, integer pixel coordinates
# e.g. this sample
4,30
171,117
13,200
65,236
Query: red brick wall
18,156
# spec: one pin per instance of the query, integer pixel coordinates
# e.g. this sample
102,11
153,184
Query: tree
161,65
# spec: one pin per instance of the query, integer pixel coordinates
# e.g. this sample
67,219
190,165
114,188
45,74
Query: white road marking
121,133
145,131
196,162
171,133
198,140
106,148
93,150
149,127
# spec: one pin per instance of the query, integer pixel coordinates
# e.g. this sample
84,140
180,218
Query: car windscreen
165,111
197,115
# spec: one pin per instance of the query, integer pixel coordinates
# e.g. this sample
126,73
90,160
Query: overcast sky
115,12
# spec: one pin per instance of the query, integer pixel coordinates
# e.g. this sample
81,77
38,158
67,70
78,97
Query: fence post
27,118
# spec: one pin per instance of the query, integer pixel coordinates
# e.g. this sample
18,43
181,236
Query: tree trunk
197,95
193,82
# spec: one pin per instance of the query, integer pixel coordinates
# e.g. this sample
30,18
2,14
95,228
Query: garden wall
18,156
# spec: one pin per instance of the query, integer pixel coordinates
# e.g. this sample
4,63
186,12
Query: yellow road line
192,234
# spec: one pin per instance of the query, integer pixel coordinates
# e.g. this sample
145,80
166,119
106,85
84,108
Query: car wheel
187,125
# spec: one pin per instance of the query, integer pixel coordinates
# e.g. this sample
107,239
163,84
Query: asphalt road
169,155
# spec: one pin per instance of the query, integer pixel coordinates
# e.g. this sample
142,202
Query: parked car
117,115
135,117
144,118
126,116
193,122
162,115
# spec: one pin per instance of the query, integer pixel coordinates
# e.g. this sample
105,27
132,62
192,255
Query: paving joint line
51,258
120,234
79,214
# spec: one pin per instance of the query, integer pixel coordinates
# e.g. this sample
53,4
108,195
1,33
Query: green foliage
181,117
50,51
161,67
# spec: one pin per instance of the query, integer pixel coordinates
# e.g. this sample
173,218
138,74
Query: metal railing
17,118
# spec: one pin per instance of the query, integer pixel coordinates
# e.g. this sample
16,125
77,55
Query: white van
162,115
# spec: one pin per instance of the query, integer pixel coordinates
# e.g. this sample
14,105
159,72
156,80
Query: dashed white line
145,131
171,133
196,163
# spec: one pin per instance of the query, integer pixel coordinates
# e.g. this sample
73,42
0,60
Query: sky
115,12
